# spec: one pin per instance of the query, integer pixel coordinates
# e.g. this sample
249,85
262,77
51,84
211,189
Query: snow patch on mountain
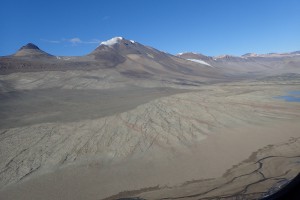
112,41
200,61
182,53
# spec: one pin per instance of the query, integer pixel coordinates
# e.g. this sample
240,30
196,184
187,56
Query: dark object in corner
290,192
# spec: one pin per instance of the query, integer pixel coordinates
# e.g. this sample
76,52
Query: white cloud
74,41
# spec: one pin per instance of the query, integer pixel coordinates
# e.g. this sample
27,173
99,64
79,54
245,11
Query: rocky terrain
128,120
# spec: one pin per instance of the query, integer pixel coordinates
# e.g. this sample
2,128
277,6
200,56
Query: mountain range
135,60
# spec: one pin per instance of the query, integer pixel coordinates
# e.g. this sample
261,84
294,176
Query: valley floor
164,144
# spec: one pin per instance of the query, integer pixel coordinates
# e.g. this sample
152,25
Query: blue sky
211,27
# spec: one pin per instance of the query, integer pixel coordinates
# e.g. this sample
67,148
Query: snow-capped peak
112,41
132,41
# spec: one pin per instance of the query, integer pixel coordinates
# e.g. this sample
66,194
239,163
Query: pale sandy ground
210,159
166,142
266,171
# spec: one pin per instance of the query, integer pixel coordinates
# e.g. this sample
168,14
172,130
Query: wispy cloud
51,41
73,41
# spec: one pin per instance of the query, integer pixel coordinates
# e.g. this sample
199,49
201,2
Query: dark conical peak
30,46
31,50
